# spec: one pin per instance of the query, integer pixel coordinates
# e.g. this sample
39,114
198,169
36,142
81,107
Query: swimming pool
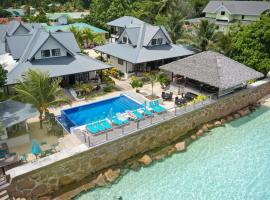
85,114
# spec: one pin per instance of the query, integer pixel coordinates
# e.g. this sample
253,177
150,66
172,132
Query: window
125,39
159,41
45,53
154,41
243,16
56,52
120,61
222,13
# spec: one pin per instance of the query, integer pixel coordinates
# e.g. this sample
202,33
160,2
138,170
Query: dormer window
157,41
56,52
125,39
45,53
154,42
222,13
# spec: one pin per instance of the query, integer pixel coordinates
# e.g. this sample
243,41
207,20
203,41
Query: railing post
151,120
174,110
138,124
123,130
89,143
106,136
84,137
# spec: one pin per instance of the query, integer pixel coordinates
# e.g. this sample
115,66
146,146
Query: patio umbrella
36,149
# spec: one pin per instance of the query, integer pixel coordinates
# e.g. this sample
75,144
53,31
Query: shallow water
229,163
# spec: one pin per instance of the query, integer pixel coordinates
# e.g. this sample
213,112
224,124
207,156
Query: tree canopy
3,76
250,44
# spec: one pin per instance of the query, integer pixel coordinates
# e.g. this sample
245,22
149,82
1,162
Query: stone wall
50,178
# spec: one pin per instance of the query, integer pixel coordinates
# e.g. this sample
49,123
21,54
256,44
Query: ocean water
230,163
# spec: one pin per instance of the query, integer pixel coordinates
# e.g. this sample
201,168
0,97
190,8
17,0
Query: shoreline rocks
145,160
180,146
111,175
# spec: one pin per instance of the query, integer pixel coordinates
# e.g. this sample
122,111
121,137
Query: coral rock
236,116
100,180
171,150
159,157
146,160
193,137
218,123
181,146
199,132
111,175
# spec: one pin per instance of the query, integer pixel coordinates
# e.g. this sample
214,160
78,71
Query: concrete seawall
47,179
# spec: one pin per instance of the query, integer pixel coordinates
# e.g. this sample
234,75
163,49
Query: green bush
108,88
136,83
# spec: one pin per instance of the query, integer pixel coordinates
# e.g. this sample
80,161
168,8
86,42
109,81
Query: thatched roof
214,69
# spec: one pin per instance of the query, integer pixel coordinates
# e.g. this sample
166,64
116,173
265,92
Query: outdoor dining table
8,161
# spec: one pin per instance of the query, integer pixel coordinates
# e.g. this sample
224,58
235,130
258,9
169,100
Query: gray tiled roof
214,69
139,51
144,54
24,48
58,66
14,112
125,21
239,7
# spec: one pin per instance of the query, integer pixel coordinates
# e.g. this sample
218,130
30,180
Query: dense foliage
250,44
3,76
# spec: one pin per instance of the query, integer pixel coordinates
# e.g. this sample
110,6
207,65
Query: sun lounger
106,124
100,127
161,108
147,112
117,121
122,118
154,107
138,115
92,129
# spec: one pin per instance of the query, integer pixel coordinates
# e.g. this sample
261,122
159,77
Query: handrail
168,115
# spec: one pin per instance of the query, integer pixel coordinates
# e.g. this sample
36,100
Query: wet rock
100,180
223,121
199,133
193,137
134,165
180,146
159,157
111,175
210,126
205,127
236,116
218,124
243,112
170,151
229,118
146,160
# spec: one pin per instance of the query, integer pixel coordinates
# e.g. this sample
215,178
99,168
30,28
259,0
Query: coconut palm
152,77
201,37
87,35
78,35
38,89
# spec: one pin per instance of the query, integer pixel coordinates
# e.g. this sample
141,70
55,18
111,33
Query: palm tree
201,37
38,89
78,35
87,35
1,128
152,77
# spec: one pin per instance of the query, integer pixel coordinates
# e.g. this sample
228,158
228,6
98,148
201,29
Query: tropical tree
136,83
251,44
202,36
38,89
152,78
87,35
1,128
78,36
163,80
3,76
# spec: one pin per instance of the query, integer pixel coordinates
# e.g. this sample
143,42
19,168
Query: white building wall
127,67
51,44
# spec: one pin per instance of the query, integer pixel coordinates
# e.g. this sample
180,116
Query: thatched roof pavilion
213,69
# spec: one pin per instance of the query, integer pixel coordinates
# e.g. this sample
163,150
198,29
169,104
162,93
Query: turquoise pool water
85,114
229,163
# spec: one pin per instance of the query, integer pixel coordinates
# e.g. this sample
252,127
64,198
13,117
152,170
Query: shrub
198,99
136,83
108,88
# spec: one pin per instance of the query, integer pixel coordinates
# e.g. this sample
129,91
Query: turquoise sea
230,163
